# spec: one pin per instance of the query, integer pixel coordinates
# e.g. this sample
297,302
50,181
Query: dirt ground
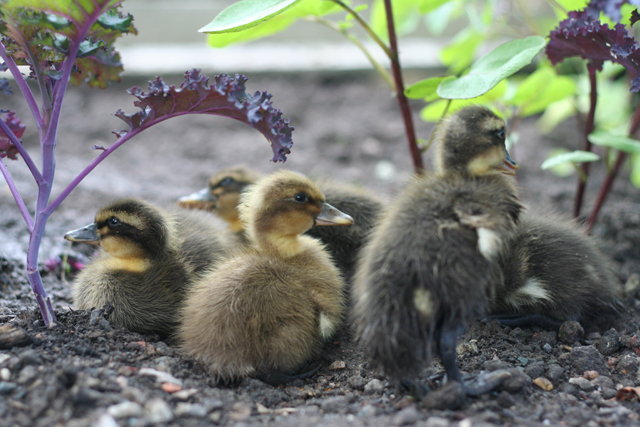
86,371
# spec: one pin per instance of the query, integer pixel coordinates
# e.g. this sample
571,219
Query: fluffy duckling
147,259
223,194
269,307
554,272
428,267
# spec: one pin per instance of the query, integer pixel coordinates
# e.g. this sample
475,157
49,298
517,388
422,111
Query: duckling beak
87,234
332,216
509,166
198,199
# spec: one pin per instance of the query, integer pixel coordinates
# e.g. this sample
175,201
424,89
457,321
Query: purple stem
403,102
16,195
588,128
22,84
611,176
23,152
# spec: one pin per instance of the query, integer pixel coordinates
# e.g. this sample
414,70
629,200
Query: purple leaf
580,35
610,7
635,17
7,149
5,88
225,97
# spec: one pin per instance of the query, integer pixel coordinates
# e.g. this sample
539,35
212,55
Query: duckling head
222,196
284,205
472,142
127,229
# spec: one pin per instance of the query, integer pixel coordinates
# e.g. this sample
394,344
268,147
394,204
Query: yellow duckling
223,195
269,307
148,257
428,268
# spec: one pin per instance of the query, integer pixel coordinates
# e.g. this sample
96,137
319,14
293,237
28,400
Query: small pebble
570,332
106,420
543,383
587,358
505,399
7,387
161,377
535,370
195,410
437,422
158,411
373,386
608,393
337,365
495,364
368,411
516,382
335,404
609,343
125,409
184,394
629,364
357,382
27,374
547,348
554,373
5,374
407,416
451,396
4,358
603,382
591,375
240,411
583,383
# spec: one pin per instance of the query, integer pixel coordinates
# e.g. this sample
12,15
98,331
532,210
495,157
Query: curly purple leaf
7,149
225,97
580,35
610,7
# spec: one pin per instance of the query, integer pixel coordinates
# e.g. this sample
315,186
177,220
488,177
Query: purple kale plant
64,41
583,35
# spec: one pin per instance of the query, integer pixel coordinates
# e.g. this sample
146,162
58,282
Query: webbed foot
526,320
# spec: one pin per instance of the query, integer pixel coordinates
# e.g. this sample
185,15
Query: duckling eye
301,198
500,133
226,181
113,222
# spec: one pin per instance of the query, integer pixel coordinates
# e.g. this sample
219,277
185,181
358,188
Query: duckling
148,259
554,272
223,194
270,306
428,266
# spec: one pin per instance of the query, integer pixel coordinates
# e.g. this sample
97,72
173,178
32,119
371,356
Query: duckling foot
416,389
276,378
526,320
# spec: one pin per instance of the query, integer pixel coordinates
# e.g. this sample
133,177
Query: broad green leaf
492,68
427,6
246,14
577,156
405,17
424,89
433,112
619,142
459,54
277,23
438,20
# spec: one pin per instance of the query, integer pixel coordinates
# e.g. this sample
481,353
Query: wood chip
12,336
543,383
170,387
628,393
591,374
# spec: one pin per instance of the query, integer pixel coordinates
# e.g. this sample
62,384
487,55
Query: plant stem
403,102
33,273
588,128
378,67
367,28
611,176
23,152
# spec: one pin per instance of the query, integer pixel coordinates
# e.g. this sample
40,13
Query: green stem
378,67
366,27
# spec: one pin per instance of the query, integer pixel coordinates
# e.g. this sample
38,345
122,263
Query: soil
85,371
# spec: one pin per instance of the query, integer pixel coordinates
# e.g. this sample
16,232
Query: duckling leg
526,320
447,349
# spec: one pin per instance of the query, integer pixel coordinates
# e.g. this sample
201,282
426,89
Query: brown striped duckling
554,272
428,267
223,194
148,257
267,309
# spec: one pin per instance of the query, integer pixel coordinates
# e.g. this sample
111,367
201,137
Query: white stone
125,409
161,377
158,411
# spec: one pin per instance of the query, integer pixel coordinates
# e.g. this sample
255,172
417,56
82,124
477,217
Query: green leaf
434,111
246,14
458,55
405,17
438,20
492,68
427,6
277,23
577,156
619,142
635,170
424,89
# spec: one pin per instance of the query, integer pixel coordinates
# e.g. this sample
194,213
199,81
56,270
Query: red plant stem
588,128
613,173
403,102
